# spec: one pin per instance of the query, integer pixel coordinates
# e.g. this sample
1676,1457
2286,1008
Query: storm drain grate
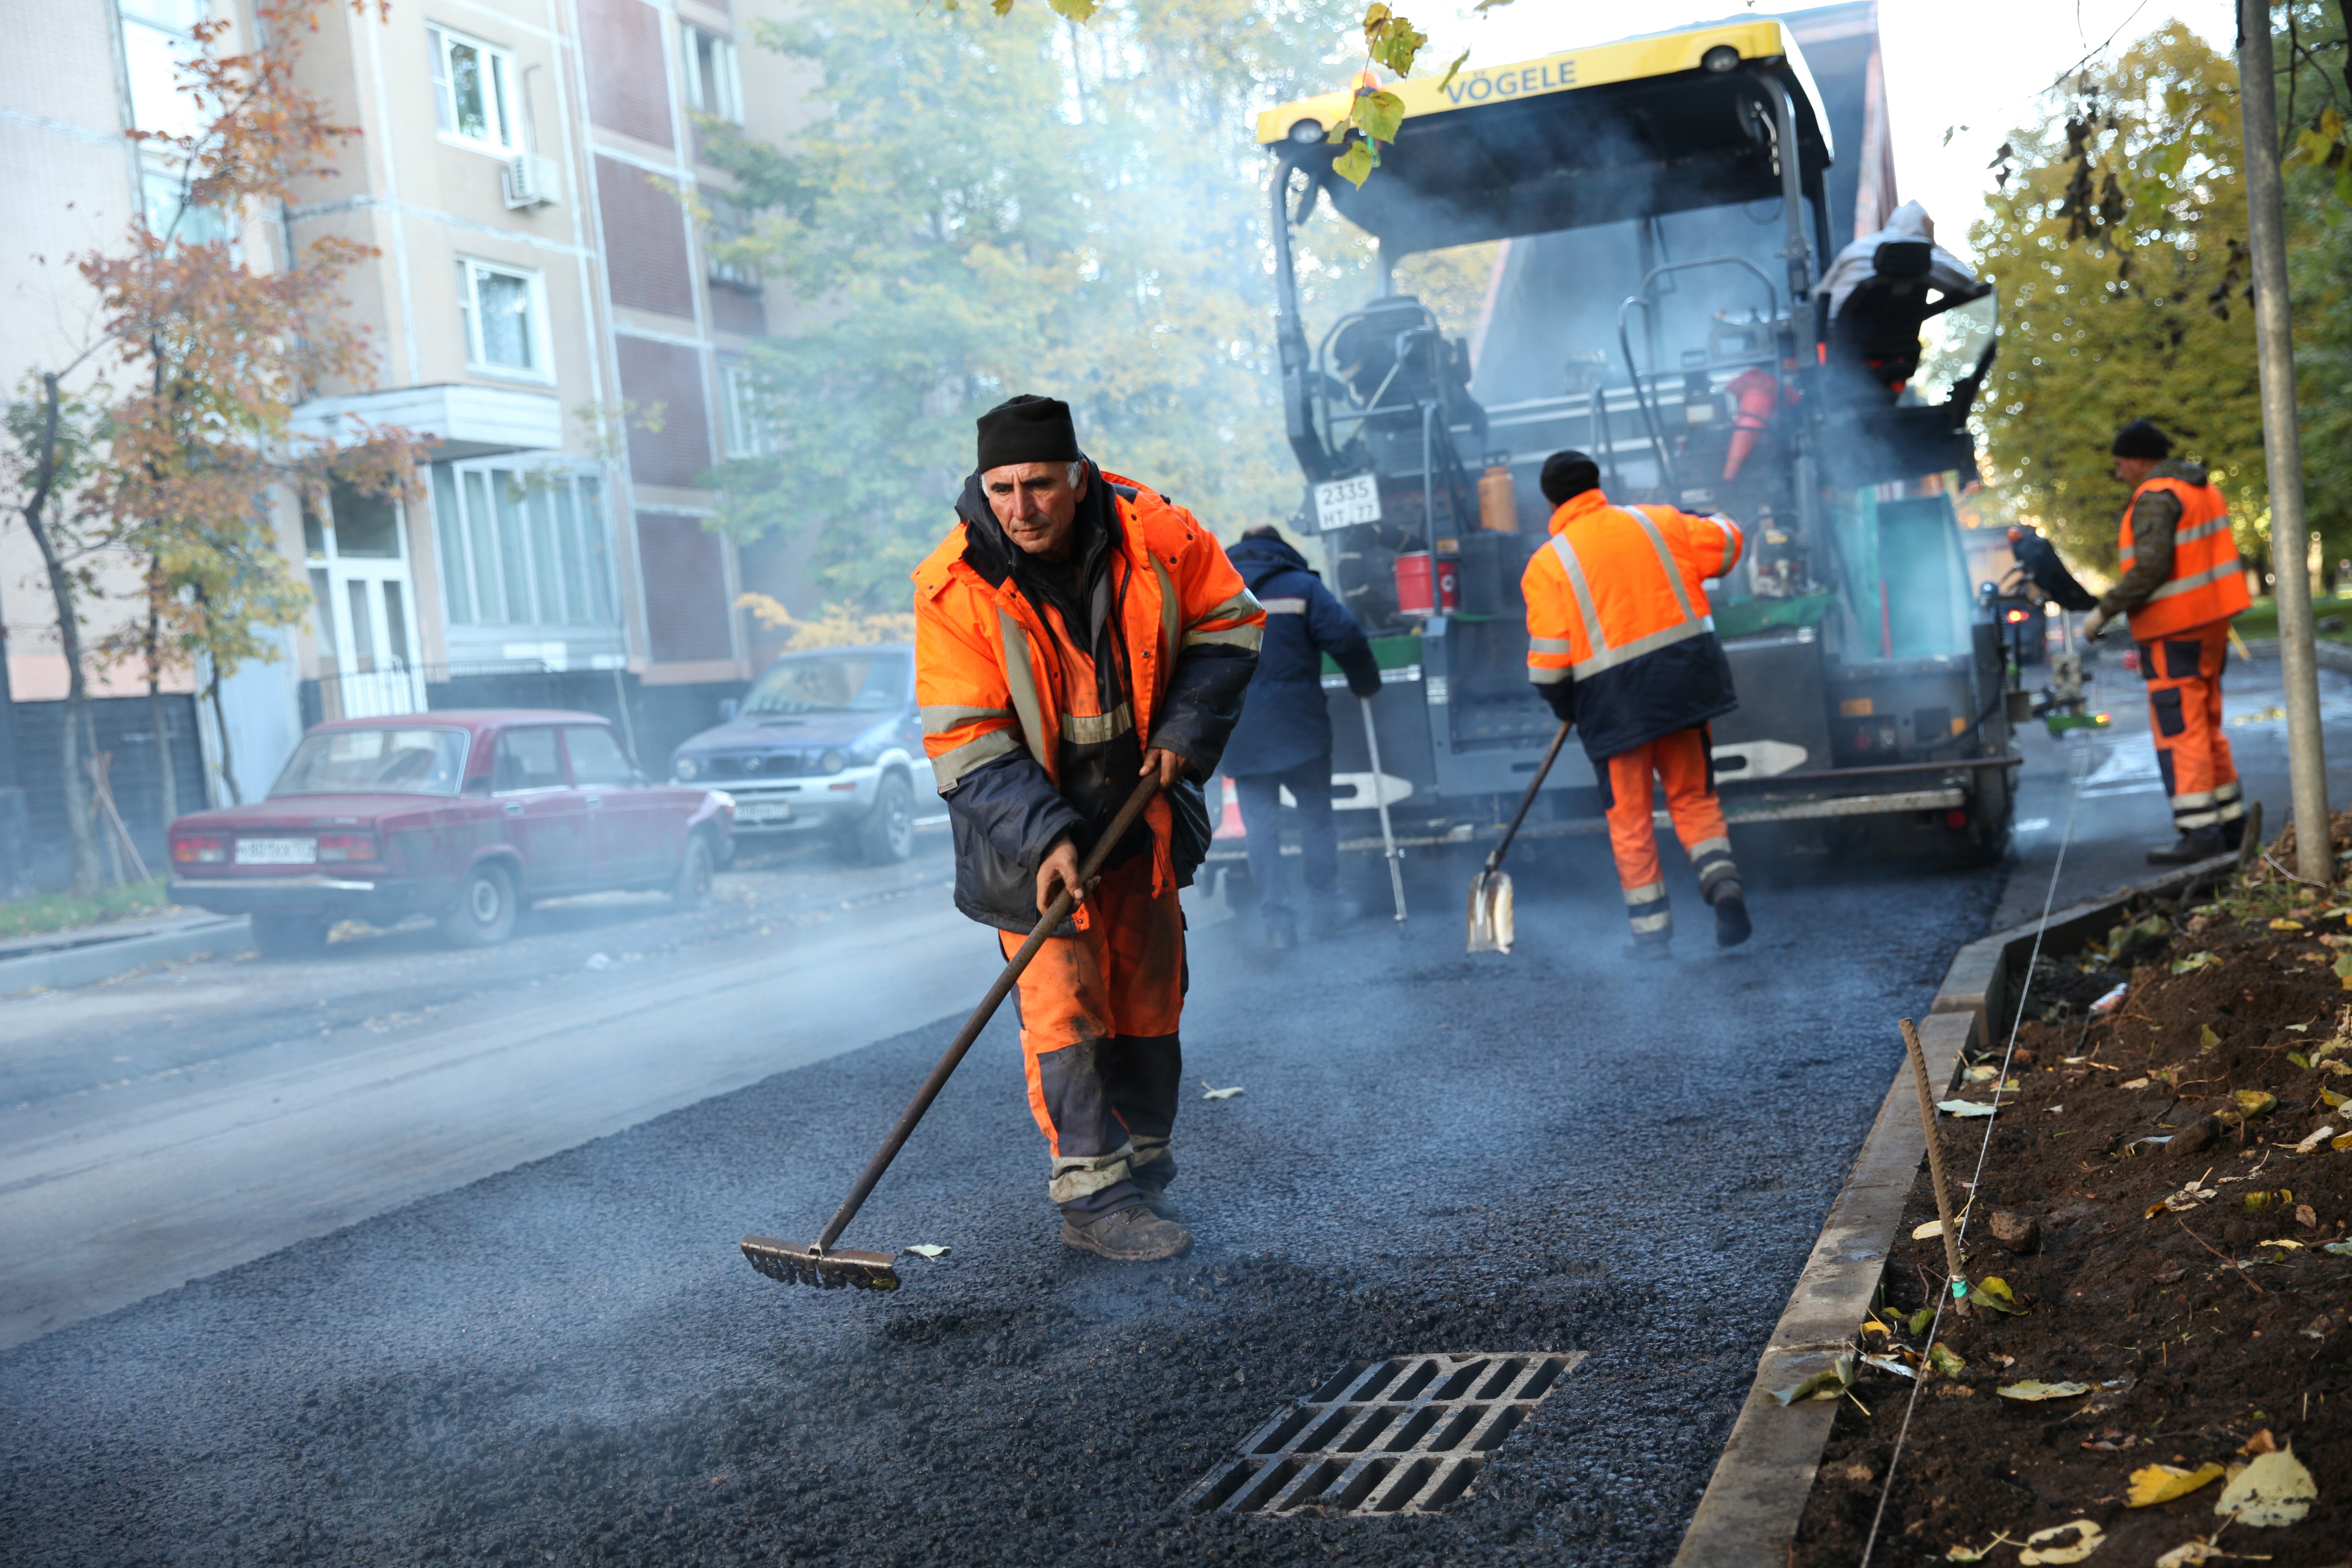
1404,1435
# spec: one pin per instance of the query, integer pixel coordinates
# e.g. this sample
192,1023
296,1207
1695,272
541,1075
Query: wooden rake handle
1055,913
1551,754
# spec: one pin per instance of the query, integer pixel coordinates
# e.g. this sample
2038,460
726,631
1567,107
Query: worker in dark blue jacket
1283,738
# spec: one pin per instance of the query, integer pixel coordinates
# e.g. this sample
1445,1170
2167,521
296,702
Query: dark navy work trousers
1318,839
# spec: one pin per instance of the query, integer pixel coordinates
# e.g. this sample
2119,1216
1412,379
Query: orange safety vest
2208,581
991,677
1618,604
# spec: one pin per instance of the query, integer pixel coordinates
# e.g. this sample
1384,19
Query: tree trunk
80,832
169,786
228,761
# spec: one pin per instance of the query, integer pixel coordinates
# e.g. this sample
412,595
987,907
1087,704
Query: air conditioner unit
532,181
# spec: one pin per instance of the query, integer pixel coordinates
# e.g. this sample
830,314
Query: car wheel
692,890
888,835
484,915
290,936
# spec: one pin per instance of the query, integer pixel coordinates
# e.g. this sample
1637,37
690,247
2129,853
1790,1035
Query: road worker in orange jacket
1074,632
1621,642
2182,582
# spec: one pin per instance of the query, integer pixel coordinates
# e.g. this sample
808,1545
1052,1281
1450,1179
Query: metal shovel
818,1264
1491,925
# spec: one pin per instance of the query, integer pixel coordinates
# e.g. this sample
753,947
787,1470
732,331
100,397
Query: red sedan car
467,817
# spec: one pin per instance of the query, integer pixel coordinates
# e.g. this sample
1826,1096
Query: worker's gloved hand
2095,623
1368,690
1059,871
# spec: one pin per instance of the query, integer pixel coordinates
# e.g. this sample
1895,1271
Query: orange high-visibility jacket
1620,634
2208,581
987,681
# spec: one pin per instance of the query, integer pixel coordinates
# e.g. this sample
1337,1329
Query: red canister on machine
1414,584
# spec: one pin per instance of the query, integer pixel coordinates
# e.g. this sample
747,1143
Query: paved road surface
157,1130
567,1362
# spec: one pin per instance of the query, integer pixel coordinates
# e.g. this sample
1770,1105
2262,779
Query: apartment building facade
542,306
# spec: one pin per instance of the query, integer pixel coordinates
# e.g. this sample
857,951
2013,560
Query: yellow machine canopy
1648,126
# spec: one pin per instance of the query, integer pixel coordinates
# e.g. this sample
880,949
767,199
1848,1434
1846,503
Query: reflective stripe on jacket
1620,632
990,680
2208,581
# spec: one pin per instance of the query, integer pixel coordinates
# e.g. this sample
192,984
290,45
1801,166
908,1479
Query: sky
1978,66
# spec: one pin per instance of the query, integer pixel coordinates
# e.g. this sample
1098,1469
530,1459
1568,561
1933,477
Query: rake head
796,1264
1492,928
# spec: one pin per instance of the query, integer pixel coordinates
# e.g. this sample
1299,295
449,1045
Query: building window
749,434
712,86
505,309
473,86
522,548
157,42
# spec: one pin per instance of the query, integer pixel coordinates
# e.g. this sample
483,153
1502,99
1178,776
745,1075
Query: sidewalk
58,960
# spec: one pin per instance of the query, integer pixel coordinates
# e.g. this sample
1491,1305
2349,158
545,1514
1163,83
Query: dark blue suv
826,740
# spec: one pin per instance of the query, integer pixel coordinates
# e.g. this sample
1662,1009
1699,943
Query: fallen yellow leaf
2033,1388
2087,1536
2284,924
2274,1491
2162,1483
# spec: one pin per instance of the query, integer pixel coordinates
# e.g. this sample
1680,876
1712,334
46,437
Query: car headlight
833,761
688,768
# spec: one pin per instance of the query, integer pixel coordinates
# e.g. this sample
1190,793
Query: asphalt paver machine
1665,211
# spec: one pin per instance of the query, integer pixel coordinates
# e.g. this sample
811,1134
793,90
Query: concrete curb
1757,1496
89,962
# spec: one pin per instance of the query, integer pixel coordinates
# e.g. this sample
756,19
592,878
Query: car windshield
375,762
830,683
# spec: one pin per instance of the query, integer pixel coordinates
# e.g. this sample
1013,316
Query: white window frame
504,539
501,87
726,76
747,435
469,271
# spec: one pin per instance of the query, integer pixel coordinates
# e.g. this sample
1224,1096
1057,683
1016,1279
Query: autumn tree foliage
202,353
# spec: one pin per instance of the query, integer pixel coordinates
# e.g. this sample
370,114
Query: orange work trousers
1099,1011
1680,762
2184,711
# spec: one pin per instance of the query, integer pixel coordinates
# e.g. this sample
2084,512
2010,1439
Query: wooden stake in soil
1935,1165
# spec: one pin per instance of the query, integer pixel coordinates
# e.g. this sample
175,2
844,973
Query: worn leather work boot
2233,833
1648,949
1732,926
2196,844
1154,1194
1131,1235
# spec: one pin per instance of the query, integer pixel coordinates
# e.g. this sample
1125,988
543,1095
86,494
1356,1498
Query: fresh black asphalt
570,1363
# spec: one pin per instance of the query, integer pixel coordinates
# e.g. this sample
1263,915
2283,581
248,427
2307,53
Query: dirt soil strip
1766,1476
2165,1204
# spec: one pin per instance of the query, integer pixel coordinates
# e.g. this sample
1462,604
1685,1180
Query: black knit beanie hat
1027,430
1567,475
2141,439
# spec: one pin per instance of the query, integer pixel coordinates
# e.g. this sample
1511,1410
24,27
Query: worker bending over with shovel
2183,583
1621,642
1074,633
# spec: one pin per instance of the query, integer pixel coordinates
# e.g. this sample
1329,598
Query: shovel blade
1492,928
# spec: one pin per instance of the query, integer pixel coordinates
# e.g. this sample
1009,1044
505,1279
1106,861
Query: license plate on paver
1342,503
762,811
276,851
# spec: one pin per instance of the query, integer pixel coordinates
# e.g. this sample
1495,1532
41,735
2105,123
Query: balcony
468,421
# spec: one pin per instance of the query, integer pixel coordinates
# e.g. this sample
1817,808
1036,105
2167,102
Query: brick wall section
644,240
671,375
628,84
685,570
